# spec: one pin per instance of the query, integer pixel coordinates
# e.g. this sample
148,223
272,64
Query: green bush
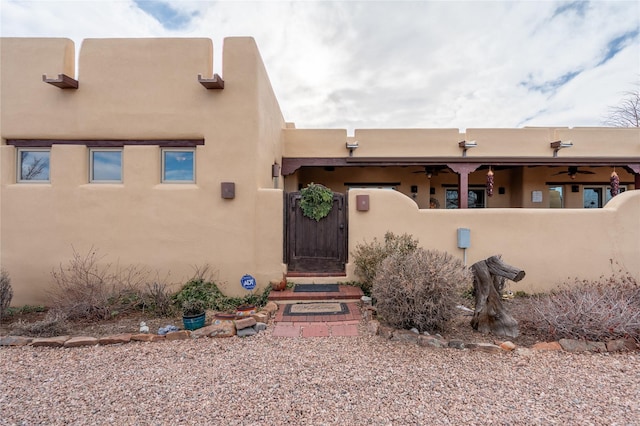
369,256
597,310
316,201
206,291
419,288
6,292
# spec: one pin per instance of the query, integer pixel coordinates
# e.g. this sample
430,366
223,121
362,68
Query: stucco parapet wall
491,143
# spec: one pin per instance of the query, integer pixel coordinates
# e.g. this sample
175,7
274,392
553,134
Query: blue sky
393,64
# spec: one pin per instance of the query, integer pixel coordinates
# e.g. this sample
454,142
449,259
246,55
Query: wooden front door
316,246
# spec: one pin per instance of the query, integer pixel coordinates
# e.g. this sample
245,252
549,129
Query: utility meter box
464,238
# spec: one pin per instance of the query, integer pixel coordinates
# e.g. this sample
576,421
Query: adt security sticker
248,282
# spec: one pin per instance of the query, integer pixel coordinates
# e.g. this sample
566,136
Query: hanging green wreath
316,201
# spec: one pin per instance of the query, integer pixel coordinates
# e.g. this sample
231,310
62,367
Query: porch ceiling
290,165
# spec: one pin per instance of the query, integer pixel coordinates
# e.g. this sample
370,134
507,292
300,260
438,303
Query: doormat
316,288
318,308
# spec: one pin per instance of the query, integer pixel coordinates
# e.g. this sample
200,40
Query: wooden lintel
211,83
105,143
63,81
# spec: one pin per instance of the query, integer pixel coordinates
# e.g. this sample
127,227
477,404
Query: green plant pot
193,322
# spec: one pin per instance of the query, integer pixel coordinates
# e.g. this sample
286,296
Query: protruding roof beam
211,83
63,81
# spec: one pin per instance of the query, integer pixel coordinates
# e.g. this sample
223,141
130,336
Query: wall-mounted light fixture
465,145
351,146
558,145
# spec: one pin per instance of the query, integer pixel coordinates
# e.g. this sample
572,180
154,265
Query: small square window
178,165
33,165
105,165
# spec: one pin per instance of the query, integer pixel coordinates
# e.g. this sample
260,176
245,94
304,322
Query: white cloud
356,64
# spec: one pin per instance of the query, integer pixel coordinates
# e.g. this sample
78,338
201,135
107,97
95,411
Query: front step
345,293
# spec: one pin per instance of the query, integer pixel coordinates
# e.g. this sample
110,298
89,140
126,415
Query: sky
392,64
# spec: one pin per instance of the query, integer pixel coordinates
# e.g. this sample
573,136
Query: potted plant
193,314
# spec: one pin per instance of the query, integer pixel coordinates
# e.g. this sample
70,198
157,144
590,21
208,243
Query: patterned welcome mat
317,308
316,288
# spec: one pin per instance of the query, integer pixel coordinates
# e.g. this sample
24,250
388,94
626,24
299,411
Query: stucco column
463,171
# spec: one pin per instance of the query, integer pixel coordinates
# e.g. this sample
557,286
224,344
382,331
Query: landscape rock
15,341
178,335
260,326
621,345
373,327
431,341
78,341
547,346
577,346
245,323
246,332
488,348
224,329
405,336
54,342
141,337
262,316
456,344
270,307
386,331
203,331
508,346
115,339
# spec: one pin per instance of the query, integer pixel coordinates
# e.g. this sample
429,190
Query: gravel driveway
266,380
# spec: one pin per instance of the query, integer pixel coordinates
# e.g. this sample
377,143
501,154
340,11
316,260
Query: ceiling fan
430,171
572,171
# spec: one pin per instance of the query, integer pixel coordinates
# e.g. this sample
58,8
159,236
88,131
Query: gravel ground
266,380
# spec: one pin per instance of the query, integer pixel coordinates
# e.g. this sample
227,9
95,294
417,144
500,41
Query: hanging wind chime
614,183
490,182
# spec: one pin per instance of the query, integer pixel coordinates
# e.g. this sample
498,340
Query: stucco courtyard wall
551,245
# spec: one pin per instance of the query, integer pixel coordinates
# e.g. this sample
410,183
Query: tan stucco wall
141,89
550,245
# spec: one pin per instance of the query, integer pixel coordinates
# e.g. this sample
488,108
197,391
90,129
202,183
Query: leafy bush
608,308
419,288
86,289
201,289
6,292
369,256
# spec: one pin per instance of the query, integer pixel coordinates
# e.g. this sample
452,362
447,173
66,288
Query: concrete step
344,294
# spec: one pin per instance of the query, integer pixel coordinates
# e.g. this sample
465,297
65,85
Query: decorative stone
621,345
576,346
246,332
386,331
373,327
415,330
260,326
270,307
141,337
262,316
245,323
77,341
179,335
115,339
596,347
547,346
488,347
54,342
203,331
15,341
431,342
508,346
456,344
405,336
224,329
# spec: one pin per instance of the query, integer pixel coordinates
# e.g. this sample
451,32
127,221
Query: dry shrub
53,324
420,289
368,257
608,308
156,298
6,292
84,288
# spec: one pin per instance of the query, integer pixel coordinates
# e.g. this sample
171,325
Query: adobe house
147,156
